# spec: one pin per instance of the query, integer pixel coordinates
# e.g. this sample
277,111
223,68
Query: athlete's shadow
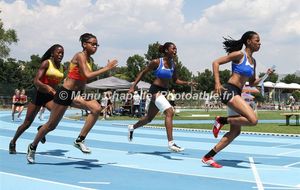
158,153
56,152
79,163
234,163
86,164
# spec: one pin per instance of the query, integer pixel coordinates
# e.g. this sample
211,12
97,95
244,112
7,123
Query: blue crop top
162,72
244,68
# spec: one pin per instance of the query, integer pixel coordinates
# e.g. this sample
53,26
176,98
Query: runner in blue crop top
165,70
243,70
162,72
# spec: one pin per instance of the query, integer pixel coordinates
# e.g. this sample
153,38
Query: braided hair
50,51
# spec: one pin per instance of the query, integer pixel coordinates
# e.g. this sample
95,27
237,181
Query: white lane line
279,188
47,181
142,168
95,182
293,164
284,153
284,145
255,173
150,169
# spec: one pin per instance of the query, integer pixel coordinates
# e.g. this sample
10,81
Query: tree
296,95
272,77
291,78
153,52
205,81
29,70
7,37
183,74
10,72
224,76
135,64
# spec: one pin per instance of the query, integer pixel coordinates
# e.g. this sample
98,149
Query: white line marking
274,169
296,163
47,181
149,169
284,153
280,188
95,182
140,168
255,173
284,145
268,157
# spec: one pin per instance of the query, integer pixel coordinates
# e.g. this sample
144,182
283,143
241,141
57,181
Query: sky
126,27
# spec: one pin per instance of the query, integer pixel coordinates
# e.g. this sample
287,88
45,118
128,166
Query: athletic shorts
18,104
155,89
231,112
64,96
162,103
40,98
227,95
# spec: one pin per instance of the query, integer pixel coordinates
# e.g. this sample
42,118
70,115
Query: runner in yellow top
49,75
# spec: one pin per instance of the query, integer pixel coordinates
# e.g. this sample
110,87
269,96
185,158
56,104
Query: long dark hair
50,51
85,37
231,45
163,48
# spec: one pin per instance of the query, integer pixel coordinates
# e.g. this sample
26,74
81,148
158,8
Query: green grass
264,128
261,128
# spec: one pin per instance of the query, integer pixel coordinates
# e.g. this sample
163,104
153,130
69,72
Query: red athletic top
23,98
74,72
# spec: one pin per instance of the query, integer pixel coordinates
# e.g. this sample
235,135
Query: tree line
19,74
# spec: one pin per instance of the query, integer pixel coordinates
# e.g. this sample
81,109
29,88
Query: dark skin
33,109
170,53
247,116
80,58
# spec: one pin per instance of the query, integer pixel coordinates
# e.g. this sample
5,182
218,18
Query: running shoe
81,146
43,140
30,154
41,118
12,148
130,132
210,161
217,127
175,148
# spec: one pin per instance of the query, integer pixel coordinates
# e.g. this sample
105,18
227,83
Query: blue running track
251,162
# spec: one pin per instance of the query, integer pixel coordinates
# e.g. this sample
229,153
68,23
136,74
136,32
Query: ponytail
231,45
162,48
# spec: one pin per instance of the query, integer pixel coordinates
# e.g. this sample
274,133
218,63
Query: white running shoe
41,118
130,132
175,148
81,146
30,155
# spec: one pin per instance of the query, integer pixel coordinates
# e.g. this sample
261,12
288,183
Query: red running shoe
210,161
217,127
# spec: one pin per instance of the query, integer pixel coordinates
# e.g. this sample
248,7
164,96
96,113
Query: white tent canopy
109,83
282,85
143,85
269,84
